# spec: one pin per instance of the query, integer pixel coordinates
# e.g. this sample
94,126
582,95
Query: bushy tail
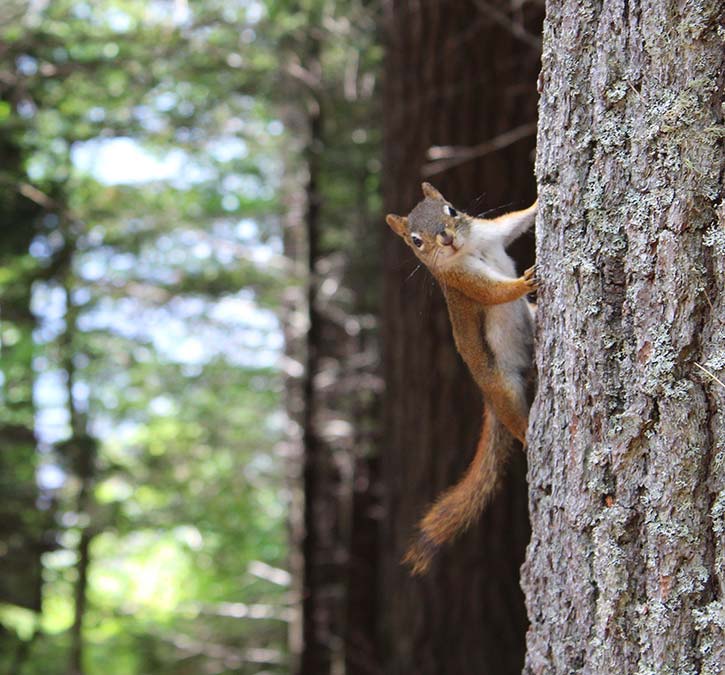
462,504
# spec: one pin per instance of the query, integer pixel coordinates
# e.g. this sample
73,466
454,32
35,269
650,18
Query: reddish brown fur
493,292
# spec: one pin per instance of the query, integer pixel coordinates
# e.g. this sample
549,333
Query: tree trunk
333,399
321,601
624,572
80,599
81,451
316,638
23,526
455,77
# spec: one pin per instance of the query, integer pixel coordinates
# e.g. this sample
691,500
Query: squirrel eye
449,211
416,240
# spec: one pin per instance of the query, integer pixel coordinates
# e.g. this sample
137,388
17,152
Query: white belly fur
506,325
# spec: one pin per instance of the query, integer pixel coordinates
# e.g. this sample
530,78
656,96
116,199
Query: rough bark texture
454,77
624,573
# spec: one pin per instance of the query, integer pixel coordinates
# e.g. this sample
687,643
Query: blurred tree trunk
626,565
321,597
339,395
458,74
317,644
22,525
294,328
80,451
332,238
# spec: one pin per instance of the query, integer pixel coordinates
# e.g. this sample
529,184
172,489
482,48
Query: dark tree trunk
457,75
23,527
320,599
330,235
80,451
75,662
321,649
361,645
626,567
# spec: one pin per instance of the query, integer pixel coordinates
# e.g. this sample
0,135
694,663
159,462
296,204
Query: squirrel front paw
531,279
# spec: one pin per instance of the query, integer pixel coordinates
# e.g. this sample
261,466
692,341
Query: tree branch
516,29
446,156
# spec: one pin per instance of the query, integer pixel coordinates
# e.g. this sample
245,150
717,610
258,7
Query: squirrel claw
530,278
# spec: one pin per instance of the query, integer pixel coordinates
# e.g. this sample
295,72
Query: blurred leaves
165,352
144,146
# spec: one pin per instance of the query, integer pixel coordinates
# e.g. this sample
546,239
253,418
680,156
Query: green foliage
185,487
138,335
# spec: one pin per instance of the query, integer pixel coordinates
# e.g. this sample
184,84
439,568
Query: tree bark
624,572
455,77
80,600
321,604
23,526
81,451
333,401
320,638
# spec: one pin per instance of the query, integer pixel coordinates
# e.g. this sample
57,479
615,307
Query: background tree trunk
80,450
23,526
332,230
624,573
455,77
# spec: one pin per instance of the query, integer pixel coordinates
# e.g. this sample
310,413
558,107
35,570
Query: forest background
227,392
155,170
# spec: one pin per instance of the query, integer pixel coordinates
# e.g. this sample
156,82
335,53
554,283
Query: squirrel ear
398,224
430,192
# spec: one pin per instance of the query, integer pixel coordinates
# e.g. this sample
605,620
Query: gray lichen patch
710,625
717,513
714,238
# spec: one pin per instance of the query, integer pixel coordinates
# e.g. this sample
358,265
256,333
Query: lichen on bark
625,569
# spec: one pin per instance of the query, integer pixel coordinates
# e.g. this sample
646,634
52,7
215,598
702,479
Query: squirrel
493,331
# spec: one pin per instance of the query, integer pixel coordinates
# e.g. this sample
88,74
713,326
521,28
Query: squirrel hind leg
508,398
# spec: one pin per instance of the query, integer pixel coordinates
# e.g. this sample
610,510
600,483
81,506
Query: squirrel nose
445,238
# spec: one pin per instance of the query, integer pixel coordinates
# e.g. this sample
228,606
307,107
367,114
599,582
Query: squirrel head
434,229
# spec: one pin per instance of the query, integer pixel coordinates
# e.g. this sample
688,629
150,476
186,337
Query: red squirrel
493,331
